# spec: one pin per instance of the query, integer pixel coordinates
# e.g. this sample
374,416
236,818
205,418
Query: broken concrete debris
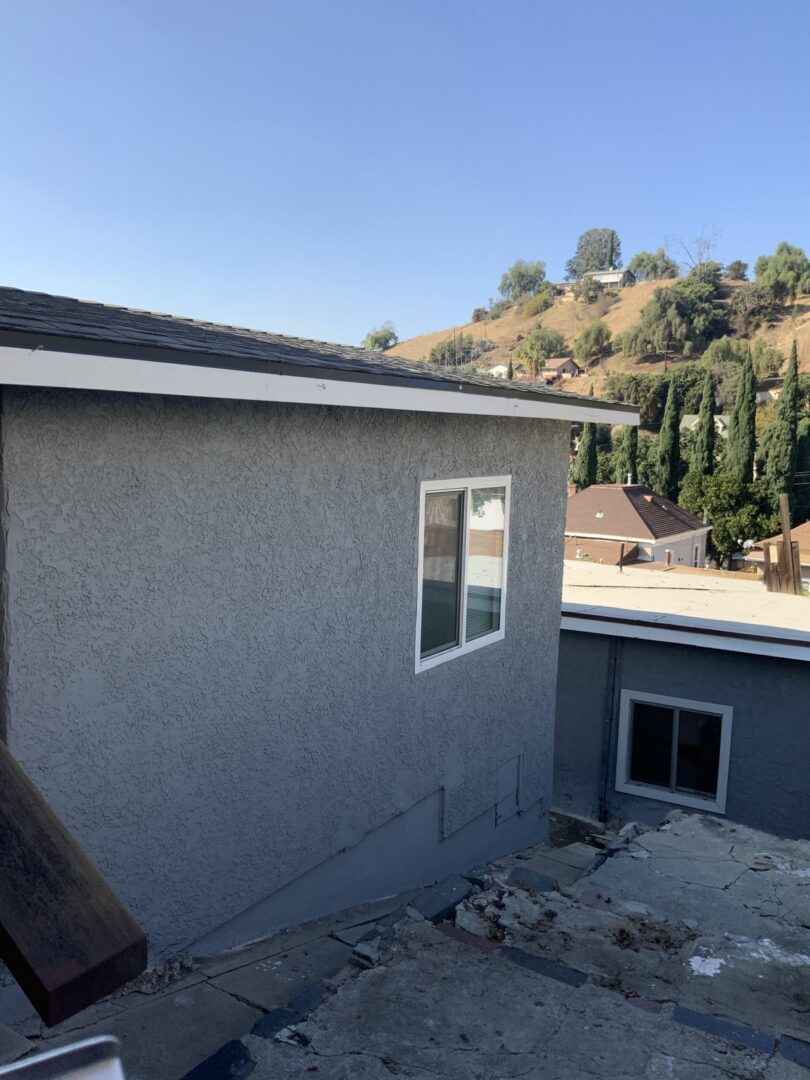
681,952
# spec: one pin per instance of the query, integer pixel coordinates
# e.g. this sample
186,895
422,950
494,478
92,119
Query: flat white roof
731,613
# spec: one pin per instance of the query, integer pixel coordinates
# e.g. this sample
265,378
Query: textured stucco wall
770,741
211,609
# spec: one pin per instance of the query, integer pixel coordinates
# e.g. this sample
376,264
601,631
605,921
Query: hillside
569,316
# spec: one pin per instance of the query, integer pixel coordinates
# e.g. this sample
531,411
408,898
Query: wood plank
771,584
64,934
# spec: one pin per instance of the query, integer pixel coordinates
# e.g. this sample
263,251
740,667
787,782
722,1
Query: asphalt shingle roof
631,510
32,319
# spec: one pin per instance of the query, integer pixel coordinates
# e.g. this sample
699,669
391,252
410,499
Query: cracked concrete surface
681,952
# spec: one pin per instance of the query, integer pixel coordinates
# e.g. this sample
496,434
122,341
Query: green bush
593,342
539,303
479,314
453,351
588,289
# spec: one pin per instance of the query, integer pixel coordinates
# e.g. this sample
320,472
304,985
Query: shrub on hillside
499,308
588,289
479,314
593,342
737,270
453,351
539,303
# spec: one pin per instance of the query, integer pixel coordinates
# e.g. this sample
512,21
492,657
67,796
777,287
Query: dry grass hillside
568,316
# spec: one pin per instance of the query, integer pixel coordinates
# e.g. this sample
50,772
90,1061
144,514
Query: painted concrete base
404,853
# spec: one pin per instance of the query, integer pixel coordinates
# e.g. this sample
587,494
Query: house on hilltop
613,279
560,368
603,518
280,617
691,422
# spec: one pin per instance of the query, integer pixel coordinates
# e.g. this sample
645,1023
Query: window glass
651,744
440,570
487,519
698,752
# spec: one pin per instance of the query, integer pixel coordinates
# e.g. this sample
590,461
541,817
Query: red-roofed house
602,517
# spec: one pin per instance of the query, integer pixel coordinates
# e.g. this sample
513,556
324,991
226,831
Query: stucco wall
211,609
770,742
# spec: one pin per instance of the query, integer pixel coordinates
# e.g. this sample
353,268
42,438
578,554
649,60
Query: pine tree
702,461
667,464
780,440
742,441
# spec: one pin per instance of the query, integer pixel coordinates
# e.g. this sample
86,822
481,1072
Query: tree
681,317
510,371
786,273
779,441
593,342
702,461
583,473
522,279
652,266
588,289
695,251
627,457
752,304
737,512
538,347
597,249
453,351
741,445
667,468
381,337
709,272
737,270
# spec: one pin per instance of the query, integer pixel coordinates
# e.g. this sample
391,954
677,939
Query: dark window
673,748
651,745
444,518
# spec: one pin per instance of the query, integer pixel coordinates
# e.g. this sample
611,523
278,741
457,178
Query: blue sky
317,167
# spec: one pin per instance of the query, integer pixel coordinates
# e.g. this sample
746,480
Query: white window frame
465,484
651,791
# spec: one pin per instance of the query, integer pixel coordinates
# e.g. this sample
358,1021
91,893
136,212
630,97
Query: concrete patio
682,951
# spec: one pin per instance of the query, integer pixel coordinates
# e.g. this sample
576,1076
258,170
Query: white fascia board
641,540
703,634
82,371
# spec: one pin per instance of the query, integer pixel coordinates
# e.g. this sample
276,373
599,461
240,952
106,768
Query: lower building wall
211,613
770,742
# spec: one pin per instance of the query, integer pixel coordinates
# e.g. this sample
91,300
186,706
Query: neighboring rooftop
58,325
626,512
730,613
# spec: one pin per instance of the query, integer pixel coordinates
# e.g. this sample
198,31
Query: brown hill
568,316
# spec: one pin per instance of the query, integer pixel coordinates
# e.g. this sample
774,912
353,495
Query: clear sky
316,167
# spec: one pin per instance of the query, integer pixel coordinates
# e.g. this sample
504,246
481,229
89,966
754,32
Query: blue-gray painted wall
211,613
770,744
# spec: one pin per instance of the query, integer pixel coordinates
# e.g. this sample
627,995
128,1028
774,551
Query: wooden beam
64,934
771,584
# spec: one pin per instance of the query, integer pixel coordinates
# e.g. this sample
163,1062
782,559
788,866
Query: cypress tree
510,371
742,442
780,440
702,462
583,474
627,453
667,464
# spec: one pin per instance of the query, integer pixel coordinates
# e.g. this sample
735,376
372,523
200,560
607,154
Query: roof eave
41,360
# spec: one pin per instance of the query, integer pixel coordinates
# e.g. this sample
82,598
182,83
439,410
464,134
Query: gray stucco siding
211,621
770,742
